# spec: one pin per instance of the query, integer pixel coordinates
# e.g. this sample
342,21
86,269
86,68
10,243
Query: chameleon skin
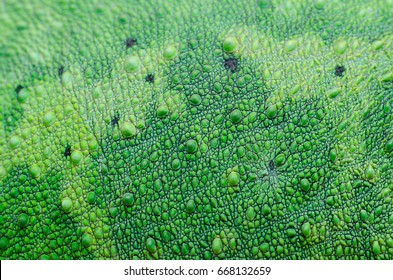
209,130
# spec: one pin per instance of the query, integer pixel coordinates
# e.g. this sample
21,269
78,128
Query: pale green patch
56,117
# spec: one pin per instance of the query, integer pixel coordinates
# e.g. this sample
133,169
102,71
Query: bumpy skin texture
196,129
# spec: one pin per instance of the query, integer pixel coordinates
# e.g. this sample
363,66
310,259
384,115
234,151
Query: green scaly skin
210,130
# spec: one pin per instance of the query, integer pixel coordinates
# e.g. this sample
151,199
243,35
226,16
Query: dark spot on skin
67,151
115,120
231,64
149,78
18,88
339,70
272,166
130,42
60,71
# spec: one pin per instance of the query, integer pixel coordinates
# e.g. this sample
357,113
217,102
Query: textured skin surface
210,130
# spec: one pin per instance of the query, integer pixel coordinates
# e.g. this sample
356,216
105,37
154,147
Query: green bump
23,220
264,3
306,229
271,111
389,146
113,211
49,119
370,172
128,199
250,213
157,185
76,157
91,197
190,206
23,95
236,116
67,78
376,248
378,45
333,93
230,44
336,220
217,245
291,232
132,64
363,215
304,120
93,145
166,236
233,178
3,243
175,164
217,87
280,159
266,209
191,146
68,109
388,77
378,210
339,250
333,155
45,257
185,250
170,52
99,233
87,240
66,204
162,111
195,99
26,133
305,184
290,46
151,245
340,47
3,172
35,171
264,247
14,192
320,4
389,242
128,130
14,142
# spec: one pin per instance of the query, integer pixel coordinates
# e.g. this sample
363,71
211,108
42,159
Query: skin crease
213,130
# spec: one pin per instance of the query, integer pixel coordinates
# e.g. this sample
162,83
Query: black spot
130,42
60,71
18,88
272,165
231,64
149,78
339,70
67,151
115,120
